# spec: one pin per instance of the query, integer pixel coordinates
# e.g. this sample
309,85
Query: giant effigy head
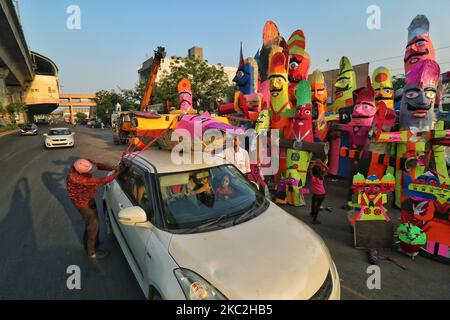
384,89
345,85
272,41
278,82
247,75
365,108
302,123
420,47
299,60
419,96
319,94
185,95
373,186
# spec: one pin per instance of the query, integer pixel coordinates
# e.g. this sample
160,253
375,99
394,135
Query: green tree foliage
81,116
209,83
398,82
129,99
16,108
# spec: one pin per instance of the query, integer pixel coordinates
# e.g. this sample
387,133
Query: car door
132,190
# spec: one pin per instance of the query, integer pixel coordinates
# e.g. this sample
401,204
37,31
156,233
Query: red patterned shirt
82,187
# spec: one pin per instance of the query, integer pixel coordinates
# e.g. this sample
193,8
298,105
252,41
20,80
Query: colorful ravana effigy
299,62
372,196
185,95
428,208
319,105
367,137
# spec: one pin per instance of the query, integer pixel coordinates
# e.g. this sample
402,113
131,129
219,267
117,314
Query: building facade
194,52
71,104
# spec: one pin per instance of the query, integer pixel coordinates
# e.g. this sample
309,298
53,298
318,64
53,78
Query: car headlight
195,287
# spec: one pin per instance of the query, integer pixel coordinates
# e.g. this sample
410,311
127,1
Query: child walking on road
318,172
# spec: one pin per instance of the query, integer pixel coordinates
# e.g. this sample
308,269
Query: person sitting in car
203,190
225,190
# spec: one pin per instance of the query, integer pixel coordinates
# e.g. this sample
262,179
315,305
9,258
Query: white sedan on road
203,232
59,137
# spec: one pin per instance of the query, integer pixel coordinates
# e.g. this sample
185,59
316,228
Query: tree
134,96
16,108
209,83
399,81
81,116
129,99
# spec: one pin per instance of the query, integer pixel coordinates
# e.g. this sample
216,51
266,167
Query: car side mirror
134,217
45,135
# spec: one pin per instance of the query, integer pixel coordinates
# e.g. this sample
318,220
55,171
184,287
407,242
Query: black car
29,130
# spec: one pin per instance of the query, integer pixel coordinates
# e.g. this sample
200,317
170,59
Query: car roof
59,129
161,160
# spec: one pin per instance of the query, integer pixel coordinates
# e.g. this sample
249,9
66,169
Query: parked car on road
59,137
188,235
29,130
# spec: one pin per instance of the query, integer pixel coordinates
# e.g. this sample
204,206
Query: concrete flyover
14,53
25,76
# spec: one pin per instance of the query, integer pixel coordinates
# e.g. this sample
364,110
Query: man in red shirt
81,186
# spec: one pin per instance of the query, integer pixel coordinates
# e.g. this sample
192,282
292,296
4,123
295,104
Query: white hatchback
202,232
59,137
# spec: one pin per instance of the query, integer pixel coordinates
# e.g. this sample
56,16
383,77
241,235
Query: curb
7,133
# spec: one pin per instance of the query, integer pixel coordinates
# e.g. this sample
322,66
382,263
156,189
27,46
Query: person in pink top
318,191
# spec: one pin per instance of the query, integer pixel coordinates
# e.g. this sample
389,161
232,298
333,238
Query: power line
396,57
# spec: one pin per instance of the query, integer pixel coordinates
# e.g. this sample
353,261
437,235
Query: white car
231,243
59,137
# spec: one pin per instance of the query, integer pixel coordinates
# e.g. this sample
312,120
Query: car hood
60,137
273,256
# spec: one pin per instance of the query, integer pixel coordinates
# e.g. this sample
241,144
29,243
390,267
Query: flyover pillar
3,95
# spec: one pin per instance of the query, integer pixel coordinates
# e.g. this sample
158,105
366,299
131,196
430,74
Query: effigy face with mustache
419,95
420,47
280,106
302,123
345,85
384,89
319,94
365,108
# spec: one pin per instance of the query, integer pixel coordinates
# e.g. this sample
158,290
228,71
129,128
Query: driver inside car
204,190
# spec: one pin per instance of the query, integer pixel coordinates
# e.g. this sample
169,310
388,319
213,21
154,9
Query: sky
116,36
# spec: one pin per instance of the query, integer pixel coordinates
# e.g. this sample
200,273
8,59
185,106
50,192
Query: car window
193,198
62,132
134,186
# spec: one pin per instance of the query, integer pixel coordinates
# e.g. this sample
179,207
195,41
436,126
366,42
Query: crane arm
159,56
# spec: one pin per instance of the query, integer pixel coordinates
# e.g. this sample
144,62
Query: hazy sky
116,36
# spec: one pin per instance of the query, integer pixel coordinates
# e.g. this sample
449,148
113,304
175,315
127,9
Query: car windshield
196,198
59,132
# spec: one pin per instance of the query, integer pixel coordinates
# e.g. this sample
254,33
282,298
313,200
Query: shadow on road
56,185
17,221
55,182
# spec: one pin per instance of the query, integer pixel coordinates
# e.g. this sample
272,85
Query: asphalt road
41,233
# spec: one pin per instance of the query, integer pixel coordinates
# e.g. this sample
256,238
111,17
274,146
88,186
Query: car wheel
109,231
